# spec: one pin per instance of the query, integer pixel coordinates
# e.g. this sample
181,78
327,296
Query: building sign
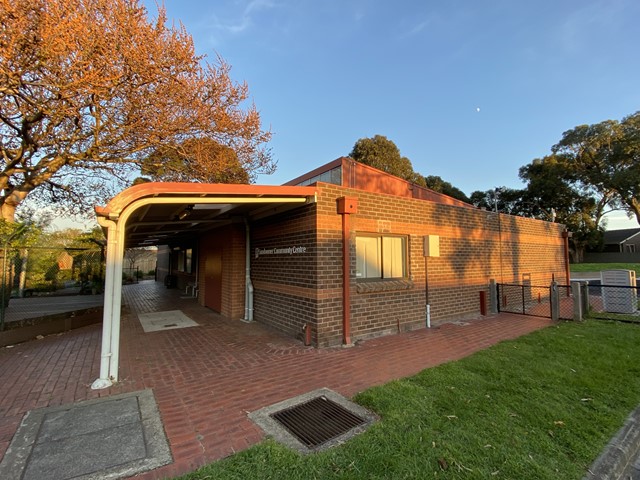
280,251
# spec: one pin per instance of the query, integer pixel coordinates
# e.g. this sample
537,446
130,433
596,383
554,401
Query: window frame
383,266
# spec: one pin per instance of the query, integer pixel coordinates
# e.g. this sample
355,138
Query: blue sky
469,90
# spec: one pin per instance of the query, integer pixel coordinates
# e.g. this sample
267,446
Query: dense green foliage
437,184
381,153
592,170
541,407
604,158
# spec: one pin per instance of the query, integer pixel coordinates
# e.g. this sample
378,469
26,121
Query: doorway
213,279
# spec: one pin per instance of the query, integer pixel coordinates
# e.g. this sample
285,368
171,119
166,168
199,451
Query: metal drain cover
313,421
317,421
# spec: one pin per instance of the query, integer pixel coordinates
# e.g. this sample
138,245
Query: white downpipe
248,296
428,316
117,299
104,381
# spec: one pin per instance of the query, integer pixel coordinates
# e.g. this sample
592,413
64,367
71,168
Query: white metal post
117,299
104,380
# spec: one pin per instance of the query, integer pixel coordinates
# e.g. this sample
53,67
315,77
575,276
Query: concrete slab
157,321
106,438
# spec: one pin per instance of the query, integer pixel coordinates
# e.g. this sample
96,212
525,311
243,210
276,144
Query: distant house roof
616,237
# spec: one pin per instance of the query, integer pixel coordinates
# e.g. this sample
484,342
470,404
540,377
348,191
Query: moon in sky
477,109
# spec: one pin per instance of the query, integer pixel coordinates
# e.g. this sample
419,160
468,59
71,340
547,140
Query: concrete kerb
621,452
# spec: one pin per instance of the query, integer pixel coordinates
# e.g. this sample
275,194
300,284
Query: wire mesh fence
33,276
613,302
527,299
524,299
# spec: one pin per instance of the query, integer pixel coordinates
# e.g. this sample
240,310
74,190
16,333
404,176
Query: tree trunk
8,212
635,208
10,203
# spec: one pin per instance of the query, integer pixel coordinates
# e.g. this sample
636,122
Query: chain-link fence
524,299
612,302
552,301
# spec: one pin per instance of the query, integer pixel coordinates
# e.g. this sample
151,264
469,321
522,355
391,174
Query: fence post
577,301
493,296
555,301
586,304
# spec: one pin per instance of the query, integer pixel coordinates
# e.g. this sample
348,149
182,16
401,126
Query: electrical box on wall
431,246
347,205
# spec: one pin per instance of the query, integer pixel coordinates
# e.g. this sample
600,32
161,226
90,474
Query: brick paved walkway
207,378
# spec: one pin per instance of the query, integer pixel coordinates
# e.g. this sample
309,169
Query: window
185,260
330,176
380,256
188,256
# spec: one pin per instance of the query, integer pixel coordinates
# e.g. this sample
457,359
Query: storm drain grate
317,421
313,421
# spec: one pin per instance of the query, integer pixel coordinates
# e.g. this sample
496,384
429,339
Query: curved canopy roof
171,212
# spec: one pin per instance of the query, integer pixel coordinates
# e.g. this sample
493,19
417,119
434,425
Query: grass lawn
596,267
540,407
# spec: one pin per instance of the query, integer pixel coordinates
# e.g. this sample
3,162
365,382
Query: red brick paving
206,378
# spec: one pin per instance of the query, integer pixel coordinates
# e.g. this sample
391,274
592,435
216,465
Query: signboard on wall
293,250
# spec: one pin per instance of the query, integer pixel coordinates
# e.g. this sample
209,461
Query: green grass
597,267
540,407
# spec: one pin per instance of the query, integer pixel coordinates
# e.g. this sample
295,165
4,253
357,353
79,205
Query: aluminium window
381,256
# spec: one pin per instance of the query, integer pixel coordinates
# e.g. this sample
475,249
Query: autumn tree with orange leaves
89,89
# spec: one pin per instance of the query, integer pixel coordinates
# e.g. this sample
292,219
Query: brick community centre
343,253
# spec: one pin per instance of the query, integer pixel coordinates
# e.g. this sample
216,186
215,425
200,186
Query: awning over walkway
165,213
172,212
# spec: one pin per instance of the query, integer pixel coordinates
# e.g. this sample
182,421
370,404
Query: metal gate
524,299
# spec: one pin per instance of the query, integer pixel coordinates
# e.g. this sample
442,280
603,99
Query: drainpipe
566,234
346,206
104,380
248,295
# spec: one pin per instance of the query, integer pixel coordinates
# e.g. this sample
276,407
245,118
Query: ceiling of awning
158,214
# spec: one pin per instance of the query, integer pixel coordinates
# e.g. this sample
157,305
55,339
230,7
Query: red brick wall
286,284
293,289
475,246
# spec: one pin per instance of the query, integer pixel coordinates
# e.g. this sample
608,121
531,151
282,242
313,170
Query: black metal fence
527,299
524,299
606,302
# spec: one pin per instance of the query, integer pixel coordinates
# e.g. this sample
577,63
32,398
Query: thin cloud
433,19
246,18
583,24
417,29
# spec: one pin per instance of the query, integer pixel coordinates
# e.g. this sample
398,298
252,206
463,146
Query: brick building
342,253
